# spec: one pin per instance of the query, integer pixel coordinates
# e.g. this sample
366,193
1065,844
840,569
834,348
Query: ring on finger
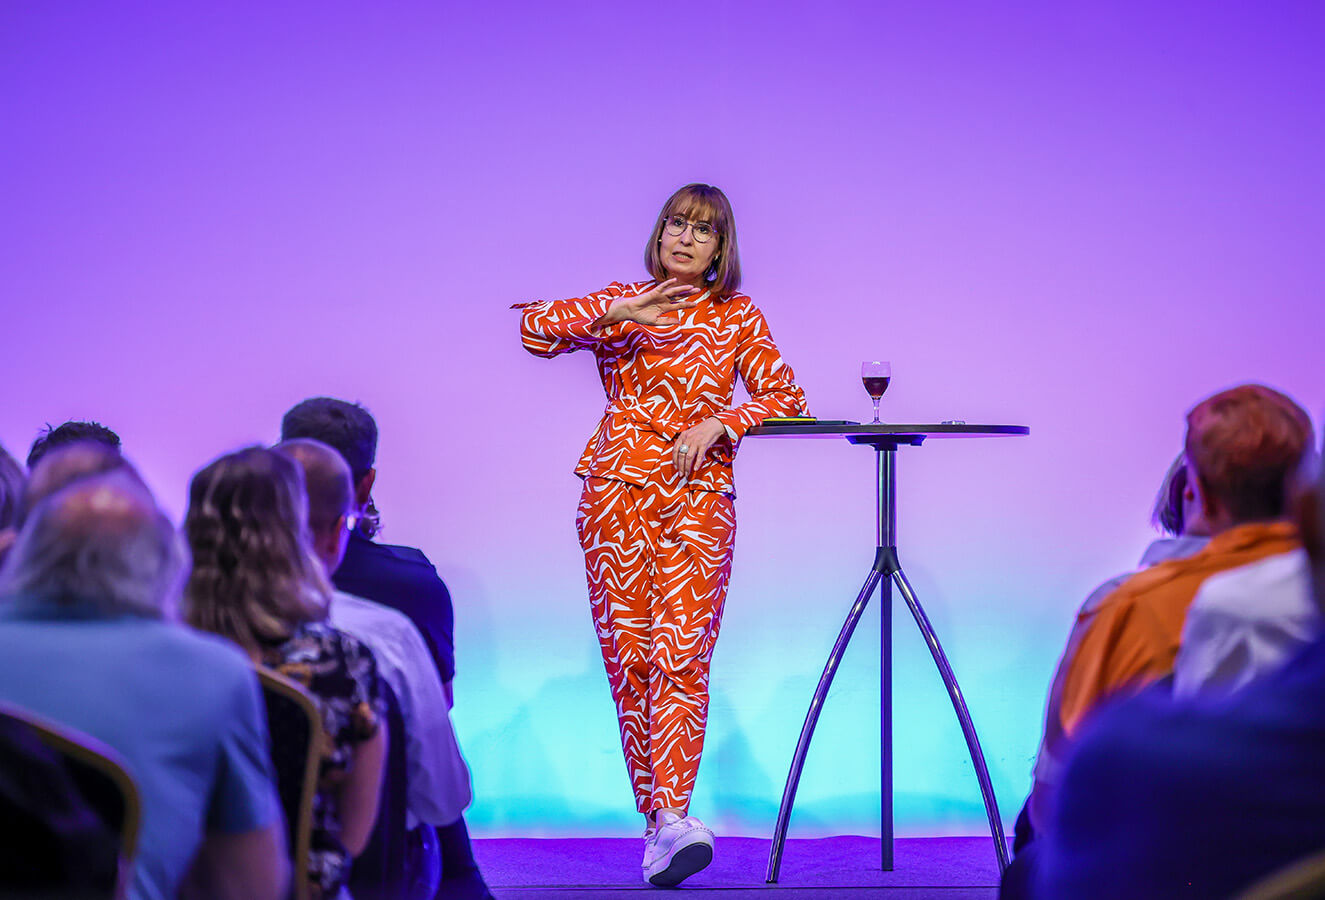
685,448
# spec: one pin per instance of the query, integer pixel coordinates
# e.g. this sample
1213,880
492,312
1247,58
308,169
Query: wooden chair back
295,727
99,775
1303,879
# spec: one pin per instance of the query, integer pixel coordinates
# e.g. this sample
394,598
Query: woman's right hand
650,307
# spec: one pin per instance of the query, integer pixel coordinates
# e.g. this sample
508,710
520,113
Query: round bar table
885,439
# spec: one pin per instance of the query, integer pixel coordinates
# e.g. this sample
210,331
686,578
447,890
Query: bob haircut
701,203
255,578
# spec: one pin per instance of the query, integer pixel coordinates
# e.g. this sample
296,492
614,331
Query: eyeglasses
702,232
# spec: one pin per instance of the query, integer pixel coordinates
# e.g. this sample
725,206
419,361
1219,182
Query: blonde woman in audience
256,581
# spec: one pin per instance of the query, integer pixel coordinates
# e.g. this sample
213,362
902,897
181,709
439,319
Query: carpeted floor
961,868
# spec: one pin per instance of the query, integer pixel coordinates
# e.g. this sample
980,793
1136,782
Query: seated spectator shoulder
403,578
1246,623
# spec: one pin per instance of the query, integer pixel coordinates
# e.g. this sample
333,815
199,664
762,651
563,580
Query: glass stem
876,410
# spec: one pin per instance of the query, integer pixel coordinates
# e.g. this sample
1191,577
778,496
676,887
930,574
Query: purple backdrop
1080,217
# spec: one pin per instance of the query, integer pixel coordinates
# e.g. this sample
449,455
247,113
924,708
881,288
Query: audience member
1198,798
256,581
71,432
12,482
68,463
437,777
1177,514
1242,447
83,642
396,576
1245,623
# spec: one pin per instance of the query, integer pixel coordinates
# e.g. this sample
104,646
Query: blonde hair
255,578
701,203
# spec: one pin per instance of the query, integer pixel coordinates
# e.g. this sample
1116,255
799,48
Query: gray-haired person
86,639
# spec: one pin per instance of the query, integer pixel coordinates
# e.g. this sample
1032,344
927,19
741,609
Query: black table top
887,431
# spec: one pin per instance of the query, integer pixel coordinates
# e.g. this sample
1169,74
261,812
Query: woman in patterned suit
656,517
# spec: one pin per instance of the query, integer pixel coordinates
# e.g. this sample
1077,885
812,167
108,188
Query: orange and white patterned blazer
660,381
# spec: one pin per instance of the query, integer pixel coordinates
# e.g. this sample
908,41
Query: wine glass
875,376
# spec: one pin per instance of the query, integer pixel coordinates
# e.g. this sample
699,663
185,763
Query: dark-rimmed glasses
702,232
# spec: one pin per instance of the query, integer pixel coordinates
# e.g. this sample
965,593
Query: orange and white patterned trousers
658,559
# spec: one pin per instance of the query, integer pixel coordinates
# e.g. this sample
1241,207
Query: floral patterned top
341,674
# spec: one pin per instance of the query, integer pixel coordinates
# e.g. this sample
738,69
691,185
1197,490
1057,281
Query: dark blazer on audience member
404,579
1199,798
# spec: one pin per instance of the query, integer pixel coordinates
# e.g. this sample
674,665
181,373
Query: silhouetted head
352,432
66,464
330,497
100,543
71,432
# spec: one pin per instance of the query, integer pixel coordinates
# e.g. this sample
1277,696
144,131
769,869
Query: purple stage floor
958,868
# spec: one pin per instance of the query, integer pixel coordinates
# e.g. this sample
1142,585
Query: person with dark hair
68,463
436,776
256,581
87,596
1204,797
1178,515
71,432
657,514
396,576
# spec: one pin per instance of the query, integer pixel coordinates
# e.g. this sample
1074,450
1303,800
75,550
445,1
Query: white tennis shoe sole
678,850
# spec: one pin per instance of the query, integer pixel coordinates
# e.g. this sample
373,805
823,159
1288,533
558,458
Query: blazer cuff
731,420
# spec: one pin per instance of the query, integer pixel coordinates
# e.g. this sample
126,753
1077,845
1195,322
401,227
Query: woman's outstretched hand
648,308
692,444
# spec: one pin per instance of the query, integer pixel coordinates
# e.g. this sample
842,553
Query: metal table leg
883,572
963,716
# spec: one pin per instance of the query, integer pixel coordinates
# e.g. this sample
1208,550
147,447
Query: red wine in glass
875,386
875,376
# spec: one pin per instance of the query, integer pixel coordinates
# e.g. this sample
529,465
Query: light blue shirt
436,777
183,709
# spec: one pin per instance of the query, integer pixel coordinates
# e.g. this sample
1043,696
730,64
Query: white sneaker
677,849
